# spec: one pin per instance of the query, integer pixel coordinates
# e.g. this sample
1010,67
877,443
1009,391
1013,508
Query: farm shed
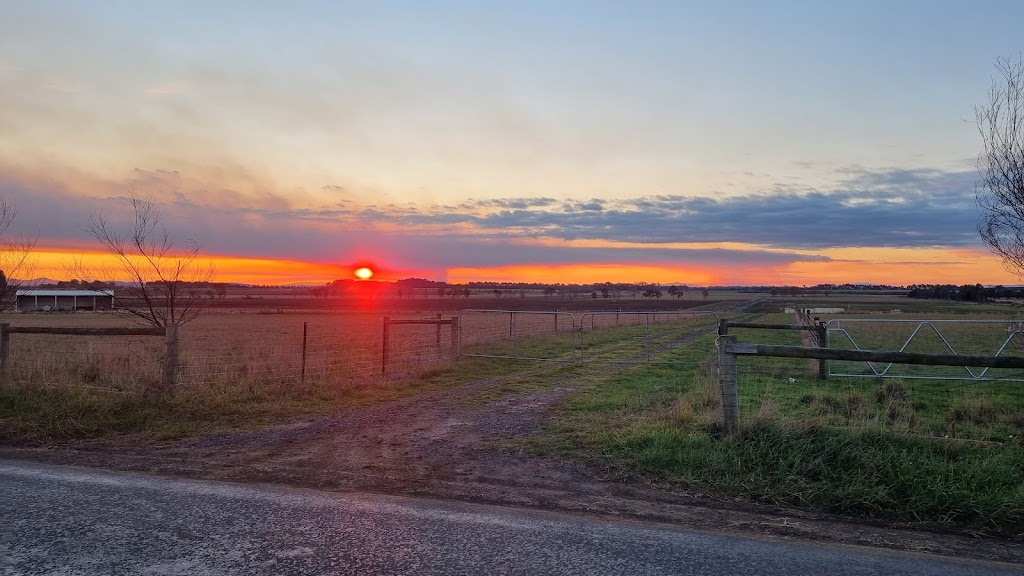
63,300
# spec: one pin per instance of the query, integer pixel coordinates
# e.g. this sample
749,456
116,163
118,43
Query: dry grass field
224,348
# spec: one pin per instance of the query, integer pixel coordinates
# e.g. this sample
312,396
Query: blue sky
676,134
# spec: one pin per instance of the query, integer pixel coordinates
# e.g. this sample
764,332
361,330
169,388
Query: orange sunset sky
664,142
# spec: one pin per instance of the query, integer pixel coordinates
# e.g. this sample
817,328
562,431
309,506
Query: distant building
63,300
816,310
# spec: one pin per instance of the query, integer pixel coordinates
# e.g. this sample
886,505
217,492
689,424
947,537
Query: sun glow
364,273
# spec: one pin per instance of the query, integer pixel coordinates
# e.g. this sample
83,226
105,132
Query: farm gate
941,378
993,338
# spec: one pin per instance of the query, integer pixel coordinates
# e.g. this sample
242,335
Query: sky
705,143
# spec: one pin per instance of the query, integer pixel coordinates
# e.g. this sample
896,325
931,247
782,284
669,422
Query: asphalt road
62,520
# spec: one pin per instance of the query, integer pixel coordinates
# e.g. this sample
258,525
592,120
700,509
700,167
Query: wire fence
524,335
217,350
643,337
283,351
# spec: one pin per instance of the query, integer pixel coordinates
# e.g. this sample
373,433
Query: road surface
63,520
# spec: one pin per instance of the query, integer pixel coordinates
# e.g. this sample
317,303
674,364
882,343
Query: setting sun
364,273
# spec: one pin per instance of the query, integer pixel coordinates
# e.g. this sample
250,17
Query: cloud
880,209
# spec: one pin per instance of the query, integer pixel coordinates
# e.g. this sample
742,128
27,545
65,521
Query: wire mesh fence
524,335
125,364
279,350
642,337
286,350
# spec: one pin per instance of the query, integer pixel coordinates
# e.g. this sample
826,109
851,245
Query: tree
15,257
1000,193
164,283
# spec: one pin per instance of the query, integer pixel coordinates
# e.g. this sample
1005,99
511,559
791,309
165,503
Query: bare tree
1000,192
15,257
165,285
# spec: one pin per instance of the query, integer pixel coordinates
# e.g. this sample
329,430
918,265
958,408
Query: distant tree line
965,293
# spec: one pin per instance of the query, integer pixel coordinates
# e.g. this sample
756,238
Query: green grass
873,449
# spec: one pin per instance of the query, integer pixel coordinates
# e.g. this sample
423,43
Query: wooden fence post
822,343
384,348
723,327
437,337
302,376
455,339
5,352
171,351
727,383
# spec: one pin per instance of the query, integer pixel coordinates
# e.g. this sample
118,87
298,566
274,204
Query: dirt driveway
458,444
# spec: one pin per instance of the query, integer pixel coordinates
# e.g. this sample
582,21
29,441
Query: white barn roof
52,293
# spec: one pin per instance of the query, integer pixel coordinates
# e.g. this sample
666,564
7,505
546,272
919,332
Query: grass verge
40,415
797,445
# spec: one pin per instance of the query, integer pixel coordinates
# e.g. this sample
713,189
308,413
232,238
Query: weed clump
974,409
856,406
892,390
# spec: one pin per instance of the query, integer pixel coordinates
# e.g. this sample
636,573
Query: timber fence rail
816,331
729,348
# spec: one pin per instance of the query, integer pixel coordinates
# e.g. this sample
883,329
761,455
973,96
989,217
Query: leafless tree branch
15,257
164,284
1000,191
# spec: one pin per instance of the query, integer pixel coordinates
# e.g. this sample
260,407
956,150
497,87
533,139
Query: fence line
662,331
169,371
221,350
517,334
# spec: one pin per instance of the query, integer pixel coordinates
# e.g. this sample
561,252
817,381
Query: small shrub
899,412
892,390
975,409
855,406
821,405
90,372
766,413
